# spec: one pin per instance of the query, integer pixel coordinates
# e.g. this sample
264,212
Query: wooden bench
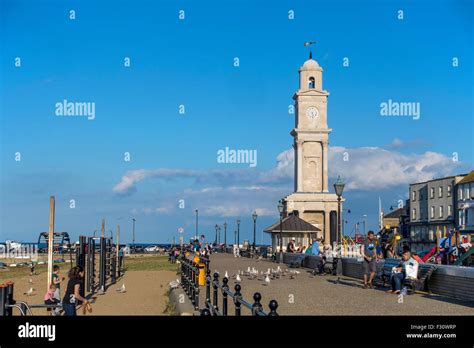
425,271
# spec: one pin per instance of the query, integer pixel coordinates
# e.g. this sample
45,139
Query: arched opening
311,83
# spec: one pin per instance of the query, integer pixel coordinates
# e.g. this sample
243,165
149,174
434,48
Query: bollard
215,285
193,281
205,312
273,305
208,287
202,274
10,300
225,287
237,297
3,300
196,287
257,306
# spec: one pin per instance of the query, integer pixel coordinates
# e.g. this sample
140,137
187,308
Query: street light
280,210
254,216
133,235
225,235
219,235
238,233
196,236
339,188
215,240
364,221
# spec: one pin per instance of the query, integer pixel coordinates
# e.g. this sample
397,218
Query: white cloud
370,168
367,168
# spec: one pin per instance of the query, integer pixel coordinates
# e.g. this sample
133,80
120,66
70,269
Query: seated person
408,269
321,265
49,298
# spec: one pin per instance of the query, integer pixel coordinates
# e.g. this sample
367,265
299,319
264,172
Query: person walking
369,254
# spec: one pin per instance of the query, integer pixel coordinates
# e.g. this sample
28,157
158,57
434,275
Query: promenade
321,295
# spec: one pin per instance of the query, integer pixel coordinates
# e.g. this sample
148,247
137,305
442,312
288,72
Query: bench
424,273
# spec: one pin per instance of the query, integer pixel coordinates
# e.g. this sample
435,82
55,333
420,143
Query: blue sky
190,62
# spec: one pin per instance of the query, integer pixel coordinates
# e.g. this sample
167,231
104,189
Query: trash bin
202,274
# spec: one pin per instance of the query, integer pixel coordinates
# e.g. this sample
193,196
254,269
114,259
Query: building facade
465,205
311,199
432,208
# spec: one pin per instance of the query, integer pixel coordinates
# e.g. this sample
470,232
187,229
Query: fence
190,272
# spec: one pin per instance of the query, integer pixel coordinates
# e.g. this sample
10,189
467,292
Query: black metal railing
190,272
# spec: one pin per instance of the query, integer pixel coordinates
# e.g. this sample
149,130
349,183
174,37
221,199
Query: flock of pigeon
266,277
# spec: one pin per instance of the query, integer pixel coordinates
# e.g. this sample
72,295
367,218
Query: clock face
312,112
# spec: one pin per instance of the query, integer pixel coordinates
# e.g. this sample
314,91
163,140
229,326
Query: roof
468,178
292,223
310,64
437,179
394,213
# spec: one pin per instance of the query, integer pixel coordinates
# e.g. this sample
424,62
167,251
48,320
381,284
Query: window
467,192
311,83
440,191
432,212
440,211
460,218
460,192
413,214
449,191
413,196
450,210
432,192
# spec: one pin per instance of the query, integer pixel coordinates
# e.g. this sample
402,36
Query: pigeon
267,280
30,292
174,284
226,275
122,289
30,281
237,279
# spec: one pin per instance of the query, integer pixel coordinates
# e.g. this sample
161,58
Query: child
56,281
49,297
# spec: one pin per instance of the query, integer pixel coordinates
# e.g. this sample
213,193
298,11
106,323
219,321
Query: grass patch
149,263
24,271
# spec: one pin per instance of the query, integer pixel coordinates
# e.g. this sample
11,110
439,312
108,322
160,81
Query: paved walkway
320,295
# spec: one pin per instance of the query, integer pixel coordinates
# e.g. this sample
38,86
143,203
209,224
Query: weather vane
308,44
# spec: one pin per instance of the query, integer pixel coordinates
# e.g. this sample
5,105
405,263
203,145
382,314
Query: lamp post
280,210
235,237
364,221
225,235
215,240
196,236
254,216
339,188
218,235
238,233
133,233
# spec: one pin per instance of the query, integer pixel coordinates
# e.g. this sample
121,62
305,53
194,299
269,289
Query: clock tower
311,199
